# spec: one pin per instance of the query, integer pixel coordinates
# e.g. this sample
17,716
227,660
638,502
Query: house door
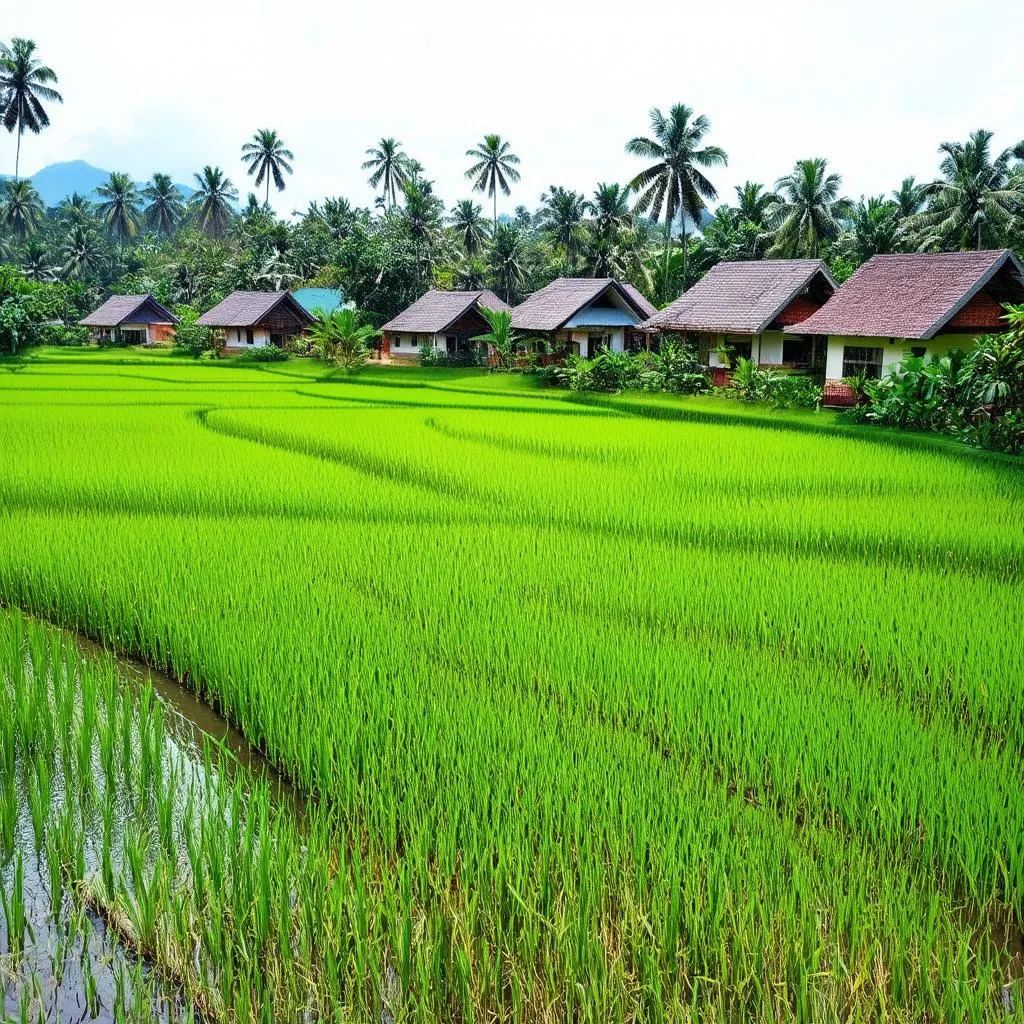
451,344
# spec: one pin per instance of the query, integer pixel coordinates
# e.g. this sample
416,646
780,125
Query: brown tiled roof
119,309
551,306
644,307
247,309
435,310
741,297
909,296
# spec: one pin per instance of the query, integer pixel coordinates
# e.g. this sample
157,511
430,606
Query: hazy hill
57,181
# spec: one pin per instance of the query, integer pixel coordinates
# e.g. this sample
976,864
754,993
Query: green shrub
264,354
780,390
189,337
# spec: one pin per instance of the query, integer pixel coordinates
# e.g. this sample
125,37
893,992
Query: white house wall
893,349
234,337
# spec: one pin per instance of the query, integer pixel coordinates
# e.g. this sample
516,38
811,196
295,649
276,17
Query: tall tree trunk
266,202
683,236
495,209
17,150
668,246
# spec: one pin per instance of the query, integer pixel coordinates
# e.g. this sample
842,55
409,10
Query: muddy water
71,967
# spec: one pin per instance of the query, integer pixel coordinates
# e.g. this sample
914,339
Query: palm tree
674,183
266,157
753,203
469,225
974,201
119,209
164,204
561,217
389,168
495,167
500,335
82,251
507,261
75,209
909,198
21,208
35,263
24,85
212,201
809,209
339,337
610,207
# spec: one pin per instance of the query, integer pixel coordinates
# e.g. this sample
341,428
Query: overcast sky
873,86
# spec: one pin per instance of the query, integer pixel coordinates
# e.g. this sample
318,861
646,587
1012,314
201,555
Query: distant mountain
58,181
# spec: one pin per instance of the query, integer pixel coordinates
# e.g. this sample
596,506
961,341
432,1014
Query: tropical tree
267,157
165,206
809,211
500,335
875,227
494,168
469,225
212,202
339,337
21,208
561,218
674,184
610,207
82,252
754,204
119,208
389,168
976,198
25,84
75,209
422,219
508,260
909,198
35,263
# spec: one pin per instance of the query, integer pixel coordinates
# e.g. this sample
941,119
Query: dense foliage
975,396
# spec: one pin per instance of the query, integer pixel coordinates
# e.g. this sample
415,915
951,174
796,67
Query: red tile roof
434,311
741,297
247,309
119,309
910,296
548,308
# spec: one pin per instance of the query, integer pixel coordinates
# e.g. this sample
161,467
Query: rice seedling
632,710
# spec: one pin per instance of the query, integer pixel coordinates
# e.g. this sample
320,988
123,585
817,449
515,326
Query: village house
584,315
749,310
133,320
447,321
918,304
257,319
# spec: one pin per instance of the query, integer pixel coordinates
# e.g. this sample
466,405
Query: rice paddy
627,709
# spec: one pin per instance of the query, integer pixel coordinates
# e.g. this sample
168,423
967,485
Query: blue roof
327,299
598,316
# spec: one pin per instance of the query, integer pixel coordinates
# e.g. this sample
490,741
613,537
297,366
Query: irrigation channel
64,954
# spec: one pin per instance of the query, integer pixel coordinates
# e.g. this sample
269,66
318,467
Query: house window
415,342
858,359
918,351
277,339
796,351
249,338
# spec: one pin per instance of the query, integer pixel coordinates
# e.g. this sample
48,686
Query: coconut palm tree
389,168
212,202
507,261
809,209
469,225
21,208
753,203
82,252
119,209
495,167
561,218
35,263
75,209
610,207
24,84
499,335
165,206
909,198
675,184
974,201
267,157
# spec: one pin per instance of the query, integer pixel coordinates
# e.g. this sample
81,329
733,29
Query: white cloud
874,87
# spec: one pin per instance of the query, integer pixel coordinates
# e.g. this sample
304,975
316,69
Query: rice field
616,709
